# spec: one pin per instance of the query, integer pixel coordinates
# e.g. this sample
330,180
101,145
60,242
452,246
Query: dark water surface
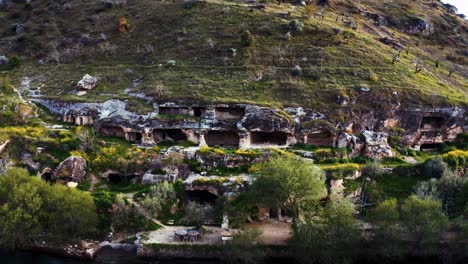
116,257
104,257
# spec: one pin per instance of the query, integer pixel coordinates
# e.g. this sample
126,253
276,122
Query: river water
104,257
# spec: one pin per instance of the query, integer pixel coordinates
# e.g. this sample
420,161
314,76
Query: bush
247,39
372,169
435,168
295,25
196,214
456,159
13,62
342,171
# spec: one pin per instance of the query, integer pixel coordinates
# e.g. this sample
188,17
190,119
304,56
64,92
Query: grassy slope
331,67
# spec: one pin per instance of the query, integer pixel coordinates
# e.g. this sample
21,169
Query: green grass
330,66
127,187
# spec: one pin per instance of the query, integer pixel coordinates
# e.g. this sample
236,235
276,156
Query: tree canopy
290,183
31,208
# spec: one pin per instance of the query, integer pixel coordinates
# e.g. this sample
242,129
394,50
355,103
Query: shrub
209,150
342,171
248,152
13,62
435,168
247,39
295,25
372,169
456,159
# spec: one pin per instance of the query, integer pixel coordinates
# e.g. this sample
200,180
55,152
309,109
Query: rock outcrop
71,169
376,145
251,126
87,83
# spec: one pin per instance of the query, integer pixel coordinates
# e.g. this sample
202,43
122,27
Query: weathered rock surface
4,60
352,142
71,169
87,83
376,145
250,126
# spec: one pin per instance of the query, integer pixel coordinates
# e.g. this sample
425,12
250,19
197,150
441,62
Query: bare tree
87,138
396,57
418,66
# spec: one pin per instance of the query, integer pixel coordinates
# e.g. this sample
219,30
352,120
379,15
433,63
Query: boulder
352,142
418,25
265,119
87,83
376,145
336,186
4,60
71,169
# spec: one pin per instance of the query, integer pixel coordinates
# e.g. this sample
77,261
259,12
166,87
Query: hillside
194,51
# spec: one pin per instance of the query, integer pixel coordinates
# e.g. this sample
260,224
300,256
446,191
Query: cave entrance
201,196
134,136
47,176
112,131
114,178
222,138
268,138
320,139
429,147
432,123
229,113
174,110
175,135
198,111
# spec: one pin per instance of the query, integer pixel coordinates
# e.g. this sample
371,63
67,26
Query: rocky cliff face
251,126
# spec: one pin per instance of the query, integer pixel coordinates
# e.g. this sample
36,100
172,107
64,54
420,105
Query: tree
418,65
450,187
196,214
427,189
30,208
329,236
160,195
86,137
385,218
423,219
290,183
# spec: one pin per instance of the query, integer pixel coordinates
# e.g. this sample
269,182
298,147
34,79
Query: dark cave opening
268,138
222,138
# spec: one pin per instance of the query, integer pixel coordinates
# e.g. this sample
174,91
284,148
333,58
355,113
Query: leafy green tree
330,236
424,219
104,201
20,211
29,208
290,183
196,214
450,187
159,196
385,218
